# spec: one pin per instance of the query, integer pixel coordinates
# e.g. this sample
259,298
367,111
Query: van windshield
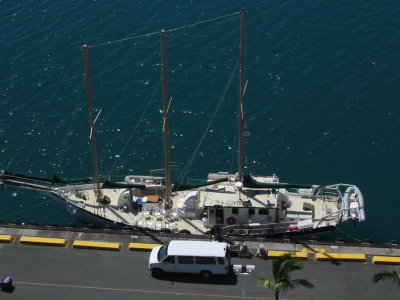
162,253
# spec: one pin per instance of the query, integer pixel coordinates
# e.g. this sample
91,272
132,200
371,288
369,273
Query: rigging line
12,158
348,235
157,32
294,115
94,122
202,22
245,87
137,124
125,39
27,209
58,85
164,119
190,161
60,81
95,119
235,141
64,143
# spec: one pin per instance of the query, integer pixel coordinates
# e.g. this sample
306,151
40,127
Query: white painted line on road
137,291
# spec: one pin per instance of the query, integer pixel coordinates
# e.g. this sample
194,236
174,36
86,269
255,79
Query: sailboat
230,204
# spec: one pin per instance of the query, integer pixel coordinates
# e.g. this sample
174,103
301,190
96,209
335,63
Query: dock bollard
244,250
261,252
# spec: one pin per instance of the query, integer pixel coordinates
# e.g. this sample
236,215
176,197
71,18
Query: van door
169,264
185,264
207,263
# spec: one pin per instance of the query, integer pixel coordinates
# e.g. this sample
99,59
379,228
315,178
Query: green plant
281,269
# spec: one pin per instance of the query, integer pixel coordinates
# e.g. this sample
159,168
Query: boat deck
302,208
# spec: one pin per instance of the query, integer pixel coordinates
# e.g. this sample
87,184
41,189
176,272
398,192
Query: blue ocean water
322,100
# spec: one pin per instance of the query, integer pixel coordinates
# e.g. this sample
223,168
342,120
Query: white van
183,256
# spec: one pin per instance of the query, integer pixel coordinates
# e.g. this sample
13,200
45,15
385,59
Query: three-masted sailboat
236,204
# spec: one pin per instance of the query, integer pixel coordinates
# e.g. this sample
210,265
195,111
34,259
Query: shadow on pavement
303,243
228,279
9,289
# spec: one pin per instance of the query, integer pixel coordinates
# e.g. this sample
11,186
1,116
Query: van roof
197,248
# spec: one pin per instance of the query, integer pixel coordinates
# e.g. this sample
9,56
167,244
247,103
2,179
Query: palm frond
303,282
281,266
285,285
292,265
384,275
265,283
277,265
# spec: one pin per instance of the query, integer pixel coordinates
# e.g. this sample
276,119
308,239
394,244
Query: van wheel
157,272
205,274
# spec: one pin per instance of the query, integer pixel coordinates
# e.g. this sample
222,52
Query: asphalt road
42,272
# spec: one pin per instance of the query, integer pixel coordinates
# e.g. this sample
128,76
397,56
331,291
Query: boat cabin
224,206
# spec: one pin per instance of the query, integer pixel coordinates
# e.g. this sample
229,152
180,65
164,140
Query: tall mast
85,49
165,117
242,91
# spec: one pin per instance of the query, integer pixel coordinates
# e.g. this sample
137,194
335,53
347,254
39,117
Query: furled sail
118,185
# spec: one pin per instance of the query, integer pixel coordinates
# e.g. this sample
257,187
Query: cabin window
252,211
263,211
235,211
201,260
221,260
169,260
186,260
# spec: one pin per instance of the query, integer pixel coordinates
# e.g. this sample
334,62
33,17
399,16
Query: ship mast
85,49
242,91
165,118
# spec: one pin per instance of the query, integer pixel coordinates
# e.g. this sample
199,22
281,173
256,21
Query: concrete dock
78,263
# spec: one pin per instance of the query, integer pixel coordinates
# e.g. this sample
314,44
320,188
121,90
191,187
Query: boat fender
231,220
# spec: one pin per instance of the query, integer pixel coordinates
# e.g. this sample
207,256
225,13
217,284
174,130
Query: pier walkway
78,263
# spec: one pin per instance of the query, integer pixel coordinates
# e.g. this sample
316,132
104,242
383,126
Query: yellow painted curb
341,256
390,260
6,238
42,241
320,250
97,245
142,246
275,254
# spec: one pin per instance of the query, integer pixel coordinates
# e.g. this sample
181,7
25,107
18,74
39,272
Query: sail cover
118,185
250,182
183,187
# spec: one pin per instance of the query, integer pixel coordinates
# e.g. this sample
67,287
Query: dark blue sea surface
322,99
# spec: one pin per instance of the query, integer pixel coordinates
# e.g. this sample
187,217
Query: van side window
186,259
221,260
170,259
205,260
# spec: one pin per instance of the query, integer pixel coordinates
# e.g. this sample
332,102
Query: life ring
231,220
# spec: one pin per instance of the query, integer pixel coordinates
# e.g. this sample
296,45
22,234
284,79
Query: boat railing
330,216
336,188
256,229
